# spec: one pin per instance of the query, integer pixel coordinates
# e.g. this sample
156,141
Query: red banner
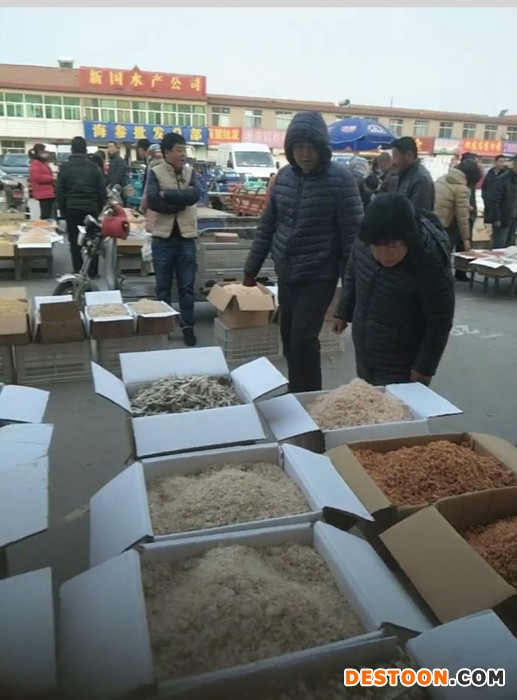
425,144
110,81
274,138
482,147
224,134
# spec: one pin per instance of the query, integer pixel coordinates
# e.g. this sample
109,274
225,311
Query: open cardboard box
24,442
27,640
155,323
58,319
103,610
108,326
120,515
288,418
242,310
180,432
378,503
451,577
22,404
15,328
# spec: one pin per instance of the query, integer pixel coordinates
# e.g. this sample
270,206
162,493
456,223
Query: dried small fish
148,306
182,394
106,310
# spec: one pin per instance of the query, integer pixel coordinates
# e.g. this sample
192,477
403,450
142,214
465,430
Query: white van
248,159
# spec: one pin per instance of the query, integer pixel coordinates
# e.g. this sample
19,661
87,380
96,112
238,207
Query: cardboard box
27,642
58,320
218,427
24,442
103,610
6,249
15,328
371,495
120,514
241,310
22,404
451,577
288,419
155,323
109,326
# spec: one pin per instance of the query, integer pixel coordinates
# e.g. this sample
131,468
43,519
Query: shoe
461,276
189,338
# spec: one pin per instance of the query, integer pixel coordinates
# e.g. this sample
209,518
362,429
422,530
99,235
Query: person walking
81,191
414,180
42,181
117,170
398,293
173,192
502,208
309,226
388,172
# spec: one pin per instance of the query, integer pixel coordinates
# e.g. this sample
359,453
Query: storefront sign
510,148
130,133
446,147
274,138
137,82
482,147
425,144
224,134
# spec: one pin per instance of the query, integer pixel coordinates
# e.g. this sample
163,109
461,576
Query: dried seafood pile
497,544
235,288
8,237
181,394
107,310
354,404
13,306
147,306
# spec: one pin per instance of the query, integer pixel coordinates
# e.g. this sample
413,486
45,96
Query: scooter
97,238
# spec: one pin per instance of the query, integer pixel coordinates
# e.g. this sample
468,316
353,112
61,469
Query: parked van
251,159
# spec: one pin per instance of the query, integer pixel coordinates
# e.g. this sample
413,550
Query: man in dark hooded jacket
311,221
398,293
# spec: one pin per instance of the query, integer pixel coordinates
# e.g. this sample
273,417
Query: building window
253,119
14,105
221,116
72,109
139,112
469,131
124,111
169,112
16,147
421,127
154,113
445,131
91,110
490,132
34,106
198,116
283,119
108,110
396,126
512,133
53,107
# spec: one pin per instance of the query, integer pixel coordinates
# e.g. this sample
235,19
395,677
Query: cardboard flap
12,453
23,404
23,500
264,301
30,433
353,473
69,310
27,641
119,515
478,641
371,588
323,486
256,379
219,298
479,508
103,635
423,400
449,575
286,417
215,427
109,297
501,449
110,387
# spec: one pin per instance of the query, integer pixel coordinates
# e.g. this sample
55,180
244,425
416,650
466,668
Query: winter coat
489,181
81,186
389,180
117,172
41,180
418,186
311,221
501,204
452,201
178,205
401,316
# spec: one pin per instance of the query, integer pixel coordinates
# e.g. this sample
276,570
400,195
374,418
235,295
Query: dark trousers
176,256
302,312
46,208
74,219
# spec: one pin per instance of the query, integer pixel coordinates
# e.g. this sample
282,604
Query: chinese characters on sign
130,133
274,138
482,147
136,82
224,135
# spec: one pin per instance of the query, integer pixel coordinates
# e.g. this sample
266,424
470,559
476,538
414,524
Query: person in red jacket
41,180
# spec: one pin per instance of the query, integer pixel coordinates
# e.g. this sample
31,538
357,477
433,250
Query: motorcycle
98,237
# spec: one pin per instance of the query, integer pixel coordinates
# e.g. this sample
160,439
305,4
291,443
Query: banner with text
130,133
482,147
134,82
224,134
274,138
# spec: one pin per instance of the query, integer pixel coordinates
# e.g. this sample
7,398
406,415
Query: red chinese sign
482,147
137,82
425,144
224,134
274,138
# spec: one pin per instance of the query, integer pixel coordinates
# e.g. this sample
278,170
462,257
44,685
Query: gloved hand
249,280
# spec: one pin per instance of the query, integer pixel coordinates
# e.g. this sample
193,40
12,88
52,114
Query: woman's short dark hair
389,218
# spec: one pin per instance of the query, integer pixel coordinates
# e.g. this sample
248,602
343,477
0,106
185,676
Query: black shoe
461,276
189,338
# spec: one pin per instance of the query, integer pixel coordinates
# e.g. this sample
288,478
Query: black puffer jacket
401,316
117,172
80,186
501,201
311,221
418,186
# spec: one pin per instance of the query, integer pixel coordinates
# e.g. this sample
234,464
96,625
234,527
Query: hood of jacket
456,177
308,127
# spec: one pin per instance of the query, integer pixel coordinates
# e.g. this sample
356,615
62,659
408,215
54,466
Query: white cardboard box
120,515
22,404
167,434
288,418
24,442
104,636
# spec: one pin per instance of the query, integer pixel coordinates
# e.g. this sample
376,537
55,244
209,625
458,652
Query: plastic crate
241,344
6,365
108,350
41,363
330,343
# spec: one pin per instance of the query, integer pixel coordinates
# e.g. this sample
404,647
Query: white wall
35,130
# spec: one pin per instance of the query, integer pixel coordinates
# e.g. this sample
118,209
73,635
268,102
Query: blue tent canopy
359,134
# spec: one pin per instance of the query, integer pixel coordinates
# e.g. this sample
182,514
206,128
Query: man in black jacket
80,191
489,182
310,224
117,170
414,181
398,293
501,208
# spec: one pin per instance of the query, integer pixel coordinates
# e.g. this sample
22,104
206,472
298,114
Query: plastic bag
147,251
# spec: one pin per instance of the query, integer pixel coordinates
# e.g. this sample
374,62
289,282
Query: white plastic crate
109,349
41,363
241,344
6,365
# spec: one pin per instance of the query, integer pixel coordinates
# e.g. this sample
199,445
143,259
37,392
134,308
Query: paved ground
90,445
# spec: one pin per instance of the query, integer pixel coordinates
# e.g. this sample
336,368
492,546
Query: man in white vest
173,192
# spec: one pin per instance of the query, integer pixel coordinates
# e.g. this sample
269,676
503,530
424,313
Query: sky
454,59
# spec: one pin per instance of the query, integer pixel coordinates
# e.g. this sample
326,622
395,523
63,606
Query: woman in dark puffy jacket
41,180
